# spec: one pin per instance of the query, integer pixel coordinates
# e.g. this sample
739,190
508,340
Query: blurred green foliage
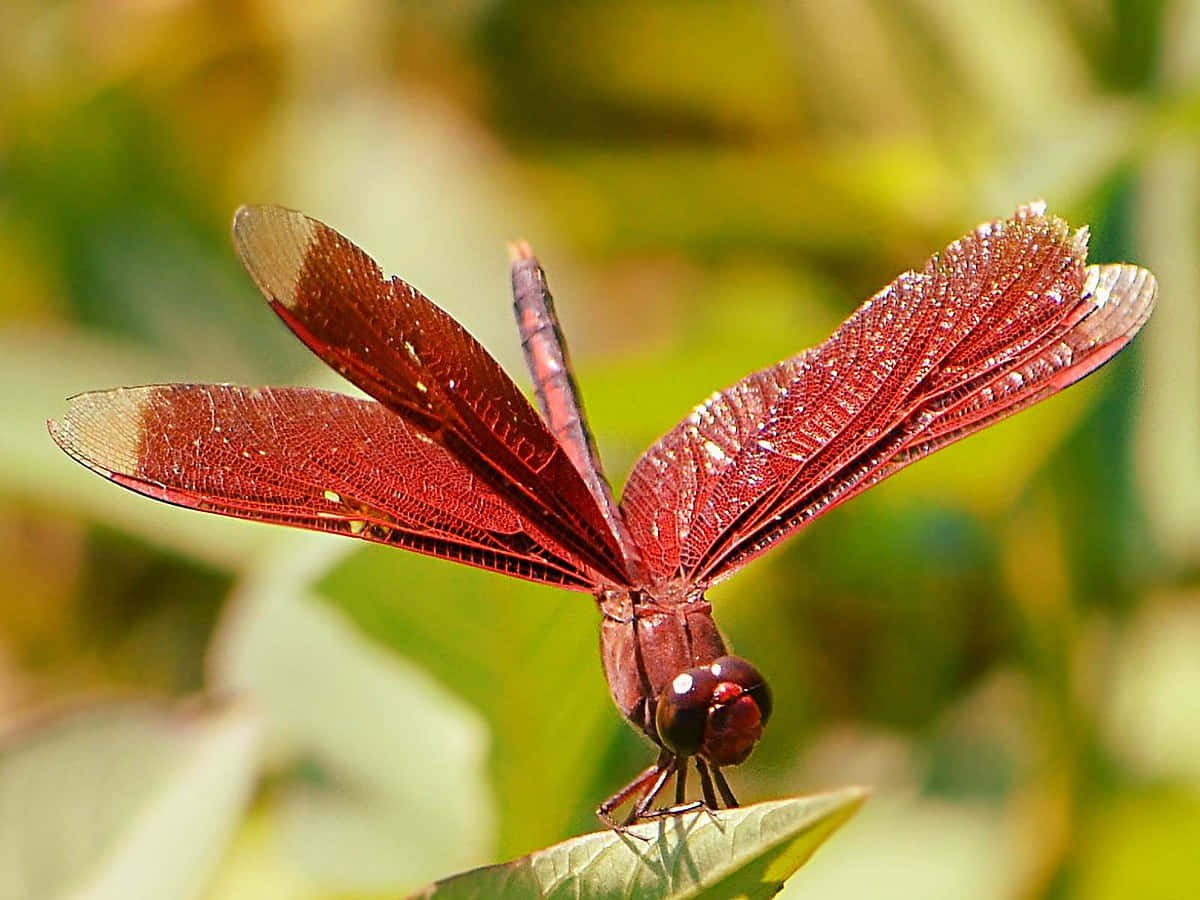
1002,640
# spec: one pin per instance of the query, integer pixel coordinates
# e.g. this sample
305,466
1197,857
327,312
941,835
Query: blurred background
1004,641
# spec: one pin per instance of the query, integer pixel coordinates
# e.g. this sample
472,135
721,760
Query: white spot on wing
714,451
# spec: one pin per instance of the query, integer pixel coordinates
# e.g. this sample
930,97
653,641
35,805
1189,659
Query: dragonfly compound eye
682,714
740,707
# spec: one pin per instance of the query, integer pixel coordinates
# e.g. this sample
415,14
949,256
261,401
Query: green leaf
747,852
523,655
391,786
124,801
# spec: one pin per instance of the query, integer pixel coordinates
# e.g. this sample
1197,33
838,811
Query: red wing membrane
394,343
1004,317
310,459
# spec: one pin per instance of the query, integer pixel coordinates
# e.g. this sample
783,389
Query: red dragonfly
451,460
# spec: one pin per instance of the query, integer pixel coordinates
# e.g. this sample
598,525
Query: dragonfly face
717,711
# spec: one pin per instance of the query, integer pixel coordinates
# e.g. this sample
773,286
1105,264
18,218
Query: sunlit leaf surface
396,790
123,801
747,852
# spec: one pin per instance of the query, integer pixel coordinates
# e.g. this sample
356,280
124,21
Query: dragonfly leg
641,810
723,787
605,810
645,787
706,784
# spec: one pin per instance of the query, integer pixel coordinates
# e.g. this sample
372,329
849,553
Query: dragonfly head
716,711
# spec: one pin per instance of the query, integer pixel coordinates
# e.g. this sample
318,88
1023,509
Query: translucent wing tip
1124,295
103,429
274,243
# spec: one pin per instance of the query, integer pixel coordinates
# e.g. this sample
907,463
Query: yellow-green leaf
747,852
